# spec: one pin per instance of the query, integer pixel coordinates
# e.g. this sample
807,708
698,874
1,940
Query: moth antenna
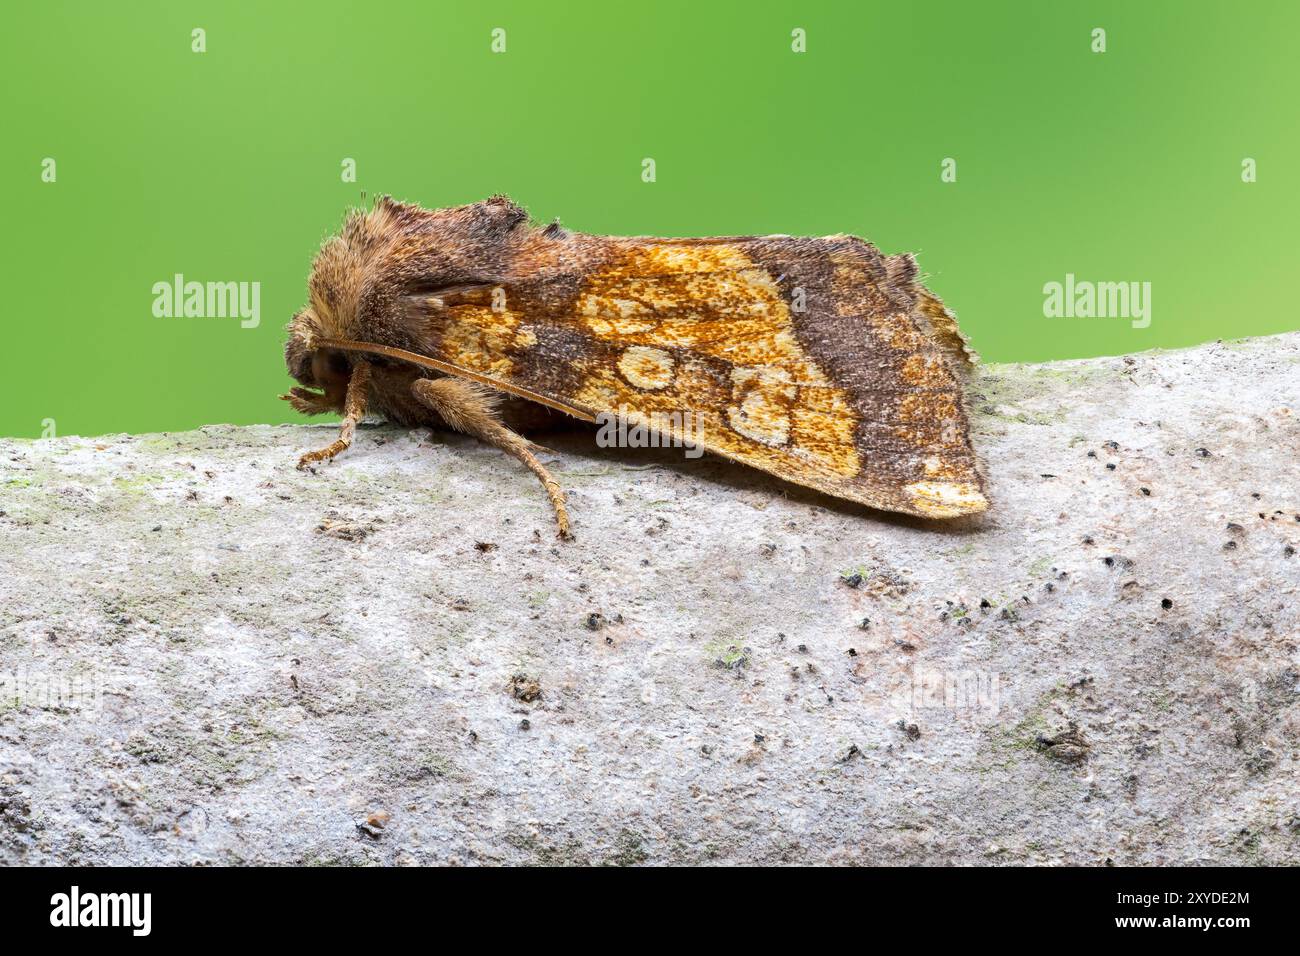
447,368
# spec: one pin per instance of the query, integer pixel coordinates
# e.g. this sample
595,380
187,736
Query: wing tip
946,499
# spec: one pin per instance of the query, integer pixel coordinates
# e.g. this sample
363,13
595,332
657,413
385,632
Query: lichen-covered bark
206,655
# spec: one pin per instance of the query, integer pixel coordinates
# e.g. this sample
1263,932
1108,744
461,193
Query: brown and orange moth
816,359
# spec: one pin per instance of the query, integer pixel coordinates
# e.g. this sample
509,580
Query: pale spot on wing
647,368
761,409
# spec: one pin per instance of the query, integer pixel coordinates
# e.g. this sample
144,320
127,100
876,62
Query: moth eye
329,367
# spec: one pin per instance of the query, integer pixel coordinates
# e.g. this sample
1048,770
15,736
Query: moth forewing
818,360
802,357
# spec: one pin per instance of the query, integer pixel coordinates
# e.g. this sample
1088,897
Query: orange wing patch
706,331
478,330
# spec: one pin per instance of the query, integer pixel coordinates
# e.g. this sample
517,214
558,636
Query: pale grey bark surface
207,656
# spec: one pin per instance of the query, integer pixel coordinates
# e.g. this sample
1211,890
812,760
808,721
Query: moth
819,360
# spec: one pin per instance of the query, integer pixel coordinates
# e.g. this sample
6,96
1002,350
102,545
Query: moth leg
308,402
354,406
470,408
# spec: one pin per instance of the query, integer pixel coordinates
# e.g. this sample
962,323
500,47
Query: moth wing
817,360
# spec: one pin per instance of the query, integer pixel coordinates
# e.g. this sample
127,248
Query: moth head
324,372
299,348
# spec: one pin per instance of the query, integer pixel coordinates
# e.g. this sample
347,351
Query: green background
1122,166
